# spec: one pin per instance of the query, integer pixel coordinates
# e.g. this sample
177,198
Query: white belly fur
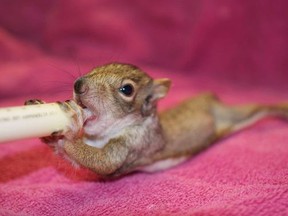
163,164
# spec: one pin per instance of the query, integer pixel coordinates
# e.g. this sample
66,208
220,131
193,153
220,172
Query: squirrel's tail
230,119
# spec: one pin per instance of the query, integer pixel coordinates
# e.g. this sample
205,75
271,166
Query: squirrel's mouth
89,116
80,103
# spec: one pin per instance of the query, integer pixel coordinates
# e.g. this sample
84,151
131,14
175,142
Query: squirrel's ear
160,88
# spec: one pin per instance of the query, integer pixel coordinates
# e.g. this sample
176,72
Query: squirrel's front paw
74,130
34,102
76,114
52,139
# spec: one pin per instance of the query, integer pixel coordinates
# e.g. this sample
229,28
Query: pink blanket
237,49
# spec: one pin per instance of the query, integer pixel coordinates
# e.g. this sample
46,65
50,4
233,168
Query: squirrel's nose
80,87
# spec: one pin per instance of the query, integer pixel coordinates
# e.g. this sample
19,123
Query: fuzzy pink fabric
237,49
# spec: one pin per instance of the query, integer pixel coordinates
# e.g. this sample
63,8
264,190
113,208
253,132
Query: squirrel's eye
127,90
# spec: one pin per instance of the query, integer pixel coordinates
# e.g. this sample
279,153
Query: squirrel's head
117,94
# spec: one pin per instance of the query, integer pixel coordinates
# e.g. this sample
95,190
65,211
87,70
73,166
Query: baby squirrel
117,129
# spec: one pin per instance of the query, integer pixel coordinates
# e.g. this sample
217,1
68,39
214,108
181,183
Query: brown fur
144,136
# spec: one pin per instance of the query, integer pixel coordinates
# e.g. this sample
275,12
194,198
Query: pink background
238,49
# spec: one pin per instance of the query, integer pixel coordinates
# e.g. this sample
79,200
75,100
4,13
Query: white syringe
32,121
